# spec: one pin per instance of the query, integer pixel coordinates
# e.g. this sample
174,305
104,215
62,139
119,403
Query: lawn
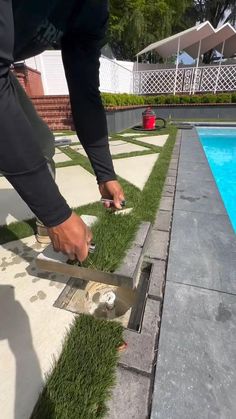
80,383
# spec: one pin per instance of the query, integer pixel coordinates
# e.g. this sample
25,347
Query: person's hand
71,237
112,190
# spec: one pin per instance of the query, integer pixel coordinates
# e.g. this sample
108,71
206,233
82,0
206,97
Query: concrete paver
136,170
158,140
195,374
208,251
130,396
12,206
61,158
196,364
78,186
116,147
130,134
73,138
31,329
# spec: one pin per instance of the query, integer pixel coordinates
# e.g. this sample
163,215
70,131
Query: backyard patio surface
195,375
31,329
135,170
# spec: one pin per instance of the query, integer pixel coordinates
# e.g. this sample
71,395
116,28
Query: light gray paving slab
157,140
172,172
31,329
163,220
142,233
130,396
193,195
168,190
140,351
158,245
192,151
131,264
136,170
166,203
196,368
116,147
61,158
188,170
130,134
157,279
203,251
173,165
170,181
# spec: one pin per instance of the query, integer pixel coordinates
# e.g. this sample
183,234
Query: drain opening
106,301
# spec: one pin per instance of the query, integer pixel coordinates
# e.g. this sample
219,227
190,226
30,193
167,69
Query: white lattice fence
114,77
188,80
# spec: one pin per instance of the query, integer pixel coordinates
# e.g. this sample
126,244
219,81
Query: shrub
125,99
224,98
172,99
233,98
185,99
195,99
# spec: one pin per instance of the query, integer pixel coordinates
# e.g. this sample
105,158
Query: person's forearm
91,125
81,62
40,192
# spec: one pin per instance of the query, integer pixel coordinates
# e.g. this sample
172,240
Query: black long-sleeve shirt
27,28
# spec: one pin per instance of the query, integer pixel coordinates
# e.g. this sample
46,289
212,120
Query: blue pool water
220,148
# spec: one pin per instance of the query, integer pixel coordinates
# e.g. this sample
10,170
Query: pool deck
196,365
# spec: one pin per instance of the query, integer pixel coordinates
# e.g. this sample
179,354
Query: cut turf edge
82,379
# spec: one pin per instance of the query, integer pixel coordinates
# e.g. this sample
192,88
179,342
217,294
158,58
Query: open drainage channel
107,301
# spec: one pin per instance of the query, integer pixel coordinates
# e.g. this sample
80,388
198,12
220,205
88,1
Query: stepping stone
90,220
158,140
12,207
130,134
32,330
136,170
61,157
116,147
72,138
76,184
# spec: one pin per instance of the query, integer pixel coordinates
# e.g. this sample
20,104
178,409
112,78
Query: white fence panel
188,80
114,78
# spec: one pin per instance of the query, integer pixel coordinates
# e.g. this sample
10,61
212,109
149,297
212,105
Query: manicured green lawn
80,383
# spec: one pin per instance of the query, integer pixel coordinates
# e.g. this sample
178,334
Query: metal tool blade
52,261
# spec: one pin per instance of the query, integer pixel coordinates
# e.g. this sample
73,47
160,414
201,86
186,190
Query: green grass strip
80,384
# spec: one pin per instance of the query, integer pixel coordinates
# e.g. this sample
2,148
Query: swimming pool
219,145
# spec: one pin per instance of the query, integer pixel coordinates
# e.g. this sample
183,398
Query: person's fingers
89,237
81,252
107,204
117,201
55,242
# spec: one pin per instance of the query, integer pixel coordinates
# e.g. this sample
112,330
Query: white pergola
196,41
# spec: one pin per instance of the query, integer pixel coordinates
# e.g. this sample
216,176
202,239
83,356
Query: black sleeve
21,159
81,52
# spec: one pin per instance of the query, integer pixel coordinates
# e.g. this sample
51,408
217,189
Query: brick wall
55,111
30,79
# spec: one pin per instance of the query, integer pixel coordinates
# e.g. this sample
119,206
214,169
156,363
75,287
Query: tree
216,11
136,23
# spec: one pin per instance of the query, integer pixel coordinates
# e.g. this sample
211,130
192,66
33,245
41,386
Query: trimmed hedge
110,99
